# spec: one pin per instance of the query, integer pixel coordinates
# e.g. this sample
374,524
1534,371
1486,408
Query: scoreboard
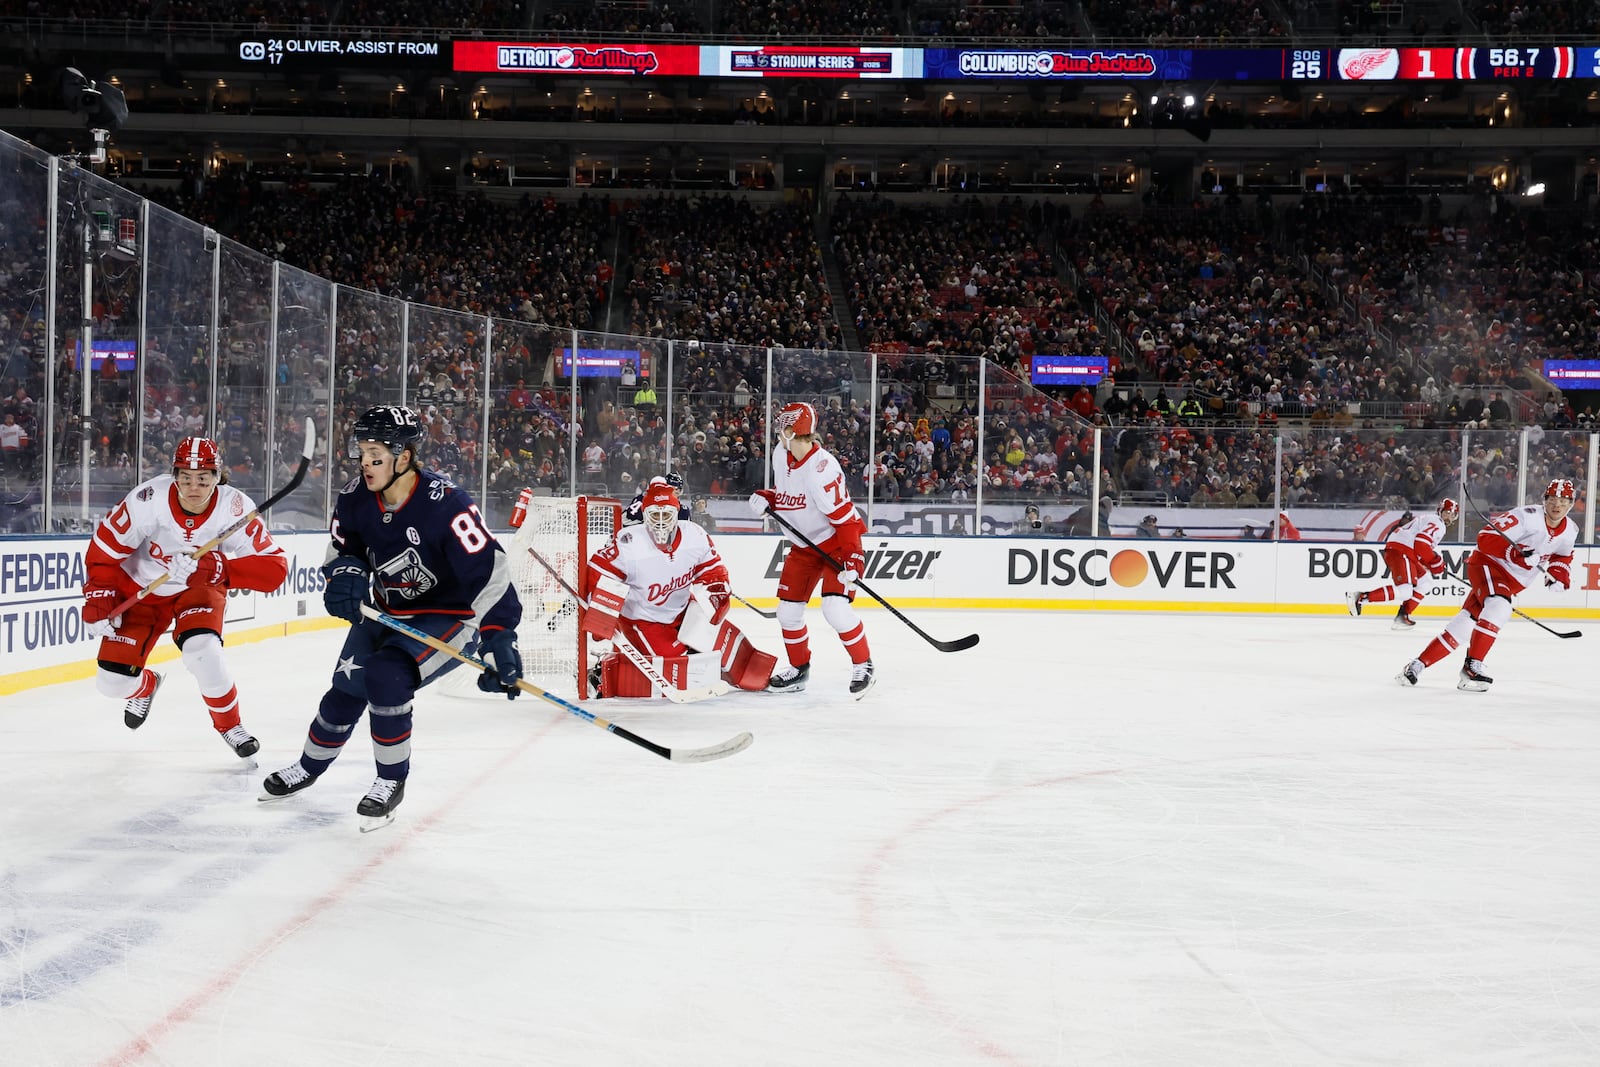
1448,64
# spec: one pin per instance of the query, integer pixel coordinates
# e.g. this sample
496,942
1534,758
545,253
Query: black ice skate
861,679
1353,602
287,782
377,807
1408,674
1402,620
244,746
790,679
137,709
1473,680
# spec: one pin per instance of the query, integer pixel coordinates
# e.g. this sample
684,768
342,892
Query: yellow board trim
167,651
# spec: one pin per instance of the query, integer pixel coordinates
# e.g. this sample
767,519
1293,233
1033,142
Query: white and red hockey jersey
1420,538
1552,547
658,579
136,541
811,493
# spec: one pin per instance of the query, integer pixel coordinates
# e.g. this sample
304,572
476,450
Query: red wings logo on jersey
822,465
238,505
658,594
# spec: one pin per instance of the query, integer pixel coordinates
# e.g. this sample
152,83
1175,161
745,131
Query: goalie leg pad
744,665
619,678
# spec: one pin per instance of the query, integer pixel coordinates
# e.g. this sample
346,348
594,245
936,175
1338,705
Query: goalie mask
660,512
797,420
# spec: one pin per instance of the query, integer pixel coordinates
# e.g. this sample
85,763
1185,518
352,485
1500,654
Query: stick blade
960,644
731,747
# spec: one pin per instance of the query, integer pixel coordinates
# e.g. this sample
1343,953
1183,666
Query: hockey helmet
1561,487
397,427
1449,509
659,510
196,454
797,419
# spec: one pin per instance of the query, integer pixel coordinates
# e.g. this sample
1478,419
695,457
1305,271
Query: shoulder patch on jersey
625,536
238,504
147,492
822,465
351,486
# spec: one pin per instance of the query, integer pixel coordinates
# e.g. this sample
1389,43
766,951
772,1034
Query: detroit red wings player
642,584
152,533
1511,552
1411,552
809,490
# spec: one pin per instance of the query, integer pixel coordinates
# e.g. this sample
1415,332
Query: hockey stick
632,654
957,645
729,747
1489,524
763,612
244,520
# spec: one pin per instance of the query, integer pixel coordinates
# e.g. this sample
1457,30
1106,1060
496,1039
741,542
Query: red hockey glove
1558,574
210,569
763,501
846,548
98,600
720,595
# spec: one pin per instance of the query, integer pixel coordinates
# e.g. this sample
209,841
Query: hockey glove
501,647
763,501
181,567
1558,575
346,588
1521,554
210,569
718,594
97,601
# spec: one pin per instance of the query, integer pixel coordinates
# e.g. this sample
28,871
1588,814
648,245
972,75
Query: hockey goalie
661,587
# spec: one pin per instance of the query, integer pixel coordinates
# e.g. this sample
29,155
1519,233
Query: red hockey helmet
1449,509
195,454
1561,487
797,418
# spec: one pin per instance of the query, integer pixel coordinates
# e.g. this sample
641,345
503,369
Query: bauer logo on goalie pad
406,576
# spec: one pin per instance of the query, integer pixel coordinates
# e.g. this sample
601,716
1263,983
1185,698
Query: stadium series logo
810,61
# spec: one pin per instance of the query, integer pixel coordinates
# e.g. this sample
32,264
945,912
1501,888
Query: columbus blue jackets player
633,514
410,542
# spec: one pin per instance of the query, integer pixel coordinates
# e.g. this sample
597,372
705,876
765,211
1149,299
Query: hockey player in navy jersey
408,541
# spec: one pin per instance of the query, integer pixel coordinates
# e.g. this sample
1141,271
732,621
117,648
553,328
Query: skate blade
1473,687
370,823
867,690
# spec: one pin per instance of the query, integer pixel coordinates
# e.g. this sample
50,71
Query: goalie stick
956,645
234,527
733,745
1489,524
632,654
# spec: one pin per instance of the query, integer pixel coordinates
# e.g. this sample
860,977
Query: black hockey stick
729,747
1489,524
763,612
234,527
957,645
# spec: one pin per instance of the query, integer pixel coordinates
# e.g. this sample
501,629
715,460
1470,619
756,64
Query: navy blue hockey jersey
430,556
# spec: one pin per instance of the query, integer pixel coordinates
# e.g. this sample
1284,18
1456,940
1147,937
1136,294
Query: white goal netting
565,531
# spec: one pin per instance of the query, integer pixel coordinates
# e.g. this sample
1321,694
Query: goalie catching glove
500,646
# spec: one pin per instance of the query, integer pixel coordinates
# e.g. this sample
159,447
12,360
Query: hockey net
566,531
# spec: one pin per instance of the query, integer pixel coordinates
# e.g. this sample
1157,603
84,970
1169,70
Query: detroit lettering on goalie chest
433,555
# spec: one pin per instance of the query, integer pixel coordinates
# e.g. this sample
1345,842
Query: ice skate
284,783
861,679
377,807
790,679
1409,673
137,709
1353,602
1402,620
244,746
1473,680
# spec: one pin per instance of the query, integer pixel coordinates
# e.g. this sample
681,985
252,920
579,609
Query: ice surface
1093,839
